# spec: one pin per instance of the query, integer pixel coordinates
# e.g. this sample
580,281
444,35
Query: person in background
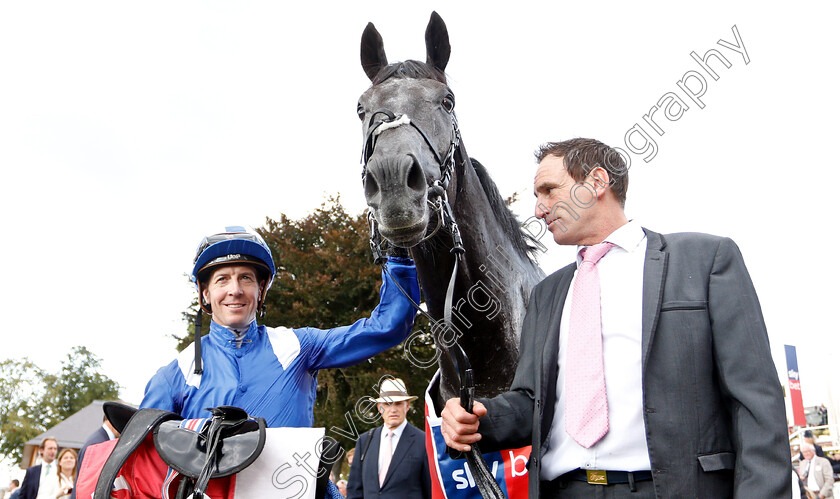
808,436
14,489
392,462
65,474
816,472
36,476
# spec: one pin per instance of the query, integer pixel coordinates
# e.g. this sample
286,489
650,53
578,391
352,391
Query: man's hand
459,427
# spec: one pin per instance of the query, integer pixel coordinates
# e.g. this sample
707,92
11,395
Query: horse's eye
361,112
448,104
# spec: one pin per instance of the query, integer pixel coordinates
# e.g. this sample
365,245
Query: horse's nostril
371,186
416,180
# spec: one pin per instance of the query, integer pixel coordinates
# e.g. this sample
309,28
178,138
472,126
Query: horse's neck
491,289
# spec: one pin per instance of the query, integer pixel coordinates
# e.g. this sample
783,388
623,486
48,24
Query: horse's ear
437,42
373,52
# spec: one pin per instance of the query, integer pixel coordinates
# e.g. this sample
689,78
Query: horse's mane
524,243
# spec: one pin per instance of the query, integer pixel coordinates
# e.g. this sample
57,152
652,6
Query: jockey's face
393,414
233,293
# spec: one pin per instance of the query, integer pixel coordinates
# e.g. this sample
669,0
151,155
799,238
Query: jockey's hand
459,427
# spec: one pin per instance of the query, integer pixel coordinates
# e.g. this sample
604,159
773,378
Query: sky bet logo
793,374
463,477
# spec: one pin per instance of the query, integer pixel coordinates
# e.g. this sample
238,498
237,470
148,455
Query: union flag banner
452,479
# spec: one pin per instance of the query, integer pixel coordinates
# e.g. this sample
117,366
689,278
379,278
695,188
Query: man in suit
390,461
14,489
816,472
38,473
645,367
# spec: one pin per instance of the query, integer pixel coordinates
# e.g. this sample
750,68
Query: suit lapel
548,385
656,267
372,456
405,443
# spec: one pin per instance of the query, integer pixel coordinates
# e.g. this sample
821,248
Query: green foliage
77,385
20,389
33,400
326,278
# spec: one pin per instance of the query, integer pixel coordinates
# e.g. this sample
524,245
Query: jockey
268,372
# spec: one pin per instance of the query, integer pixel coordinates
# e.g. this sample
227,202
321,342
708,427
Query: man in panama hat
390,460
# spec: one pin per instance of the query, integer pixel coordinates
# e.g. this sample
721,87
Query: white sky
128,130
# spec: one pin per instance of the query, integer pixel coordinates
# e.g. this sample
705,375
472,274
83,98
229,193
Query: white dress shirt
811,483
108,431
383,443
48,485
624,447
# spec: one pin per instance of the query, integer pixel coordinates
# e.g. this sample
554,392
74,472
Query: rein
484,479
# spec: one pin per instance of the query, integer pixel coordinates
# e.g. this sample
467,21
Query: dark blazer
31,483
408,475
96,437
714,411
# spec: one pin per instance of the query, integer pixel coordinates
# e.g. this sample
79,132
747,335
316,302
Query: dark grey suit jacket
408,475
713,405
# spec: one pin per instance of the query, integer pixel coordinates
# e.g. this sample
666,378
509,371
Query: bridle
439,199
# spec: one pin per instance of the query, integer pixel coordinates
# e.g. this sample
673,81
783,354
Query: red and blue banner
452,479
795,387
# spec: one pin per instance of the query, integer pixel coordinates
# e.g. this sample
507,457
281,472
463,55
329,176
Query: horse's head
410,133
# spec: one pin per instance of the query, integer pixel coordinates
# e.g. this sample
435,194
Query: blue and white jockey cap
236,244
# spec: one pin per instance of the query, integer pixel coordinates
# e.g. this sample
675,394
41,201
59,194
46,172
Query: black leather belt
604,477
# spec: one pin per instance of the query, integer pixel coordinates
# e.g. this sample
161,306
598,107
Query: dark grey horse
414,161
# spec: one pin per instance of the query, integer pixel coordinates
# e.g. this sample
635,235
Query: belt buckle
596,477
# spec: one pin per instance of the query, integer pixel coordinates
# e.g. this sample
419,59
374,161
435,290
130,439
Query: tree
20,390
326,278
33,400
74,387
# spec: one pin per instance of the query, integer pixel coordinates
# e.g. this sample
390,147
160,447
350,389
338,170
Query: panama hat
392,390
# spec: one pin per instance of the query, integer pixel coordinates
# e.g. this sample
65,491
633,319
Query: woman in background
65,473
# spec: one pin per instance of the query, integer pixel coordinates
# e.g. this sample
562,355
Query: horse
425,193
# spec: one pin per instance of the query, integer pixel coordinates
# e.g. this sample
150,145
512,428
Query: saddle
199,449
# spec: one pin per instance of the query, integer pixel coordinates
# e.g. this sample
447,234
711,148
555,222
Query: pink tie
387,461
585,388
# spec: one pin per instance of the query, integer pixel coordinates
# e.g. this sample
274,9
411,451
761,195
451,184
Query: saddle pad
285,468
95,457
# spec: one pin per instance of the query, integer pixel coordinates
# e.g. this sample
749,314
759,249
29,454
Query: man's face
564,207
233,293
393,414
49,451
808,452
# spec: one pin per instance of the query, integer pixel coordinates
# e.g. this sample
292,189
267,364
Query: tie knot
593,254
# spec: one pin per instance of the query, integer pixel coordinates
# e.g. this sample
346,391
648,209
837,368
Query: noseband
437,195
